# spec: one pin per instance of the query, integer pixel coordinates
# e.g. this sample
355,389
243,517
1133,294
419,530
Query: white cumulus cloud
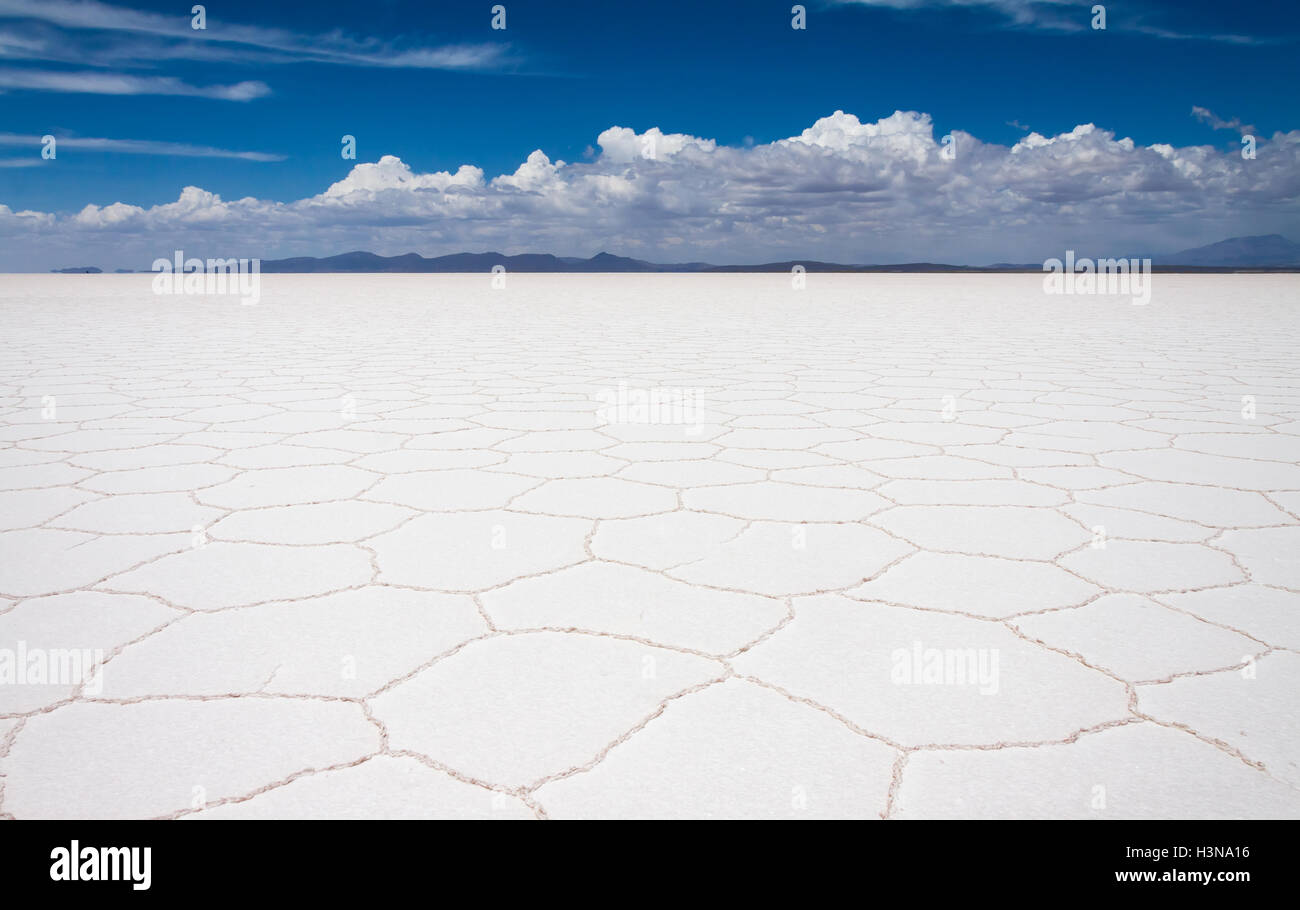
843,190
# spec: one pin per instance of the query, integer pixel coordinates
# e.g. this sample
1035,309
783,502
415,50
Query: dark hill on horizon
1262,249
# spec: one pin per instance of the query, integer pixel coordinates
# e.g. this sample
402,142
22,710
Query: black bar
319,859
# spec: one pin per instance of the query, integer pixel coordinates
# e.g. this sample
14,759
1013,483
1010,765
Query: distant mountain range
361,261
1269,252
1266,249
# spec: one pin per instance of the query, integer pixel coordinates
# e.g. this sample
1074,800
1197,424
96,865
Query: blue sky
431,84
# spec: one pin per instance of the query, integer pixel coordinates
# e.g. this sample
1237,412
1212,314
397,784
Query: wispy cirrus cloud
148,35
1070,16
1156,31
14,45
135,147
99,83
1061,15
1208,117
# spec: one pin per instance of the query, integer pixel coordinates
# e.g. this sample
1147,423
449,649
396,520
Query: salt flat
650,545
